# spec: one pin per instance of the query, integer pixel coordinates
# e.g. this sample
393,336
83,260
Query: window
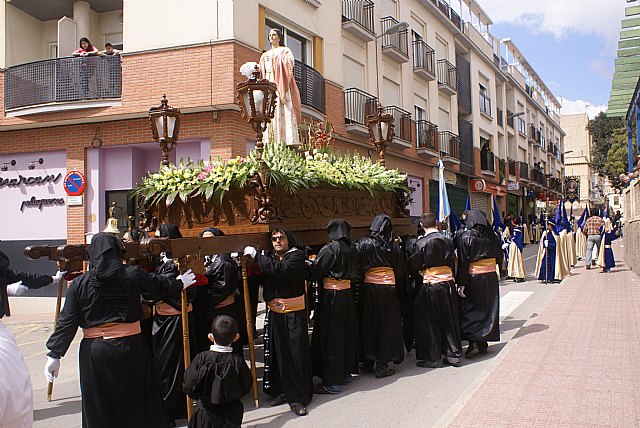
300,46
419,113
115,39
53,50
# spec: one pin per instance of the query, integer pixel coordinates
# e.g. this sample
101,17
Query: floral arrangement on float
314,164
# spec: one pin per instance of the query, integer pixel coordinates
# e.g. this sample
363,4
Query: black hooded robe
118,383
380,306
217,380
334,344
436,317
287,355
480,312
9,276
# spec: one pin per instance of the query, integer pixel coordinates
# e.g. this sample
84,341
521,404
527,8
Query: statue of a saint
276,65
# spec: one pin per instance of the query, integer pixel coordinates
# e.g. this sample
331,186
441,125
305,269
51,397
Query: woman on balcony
276,65
86,48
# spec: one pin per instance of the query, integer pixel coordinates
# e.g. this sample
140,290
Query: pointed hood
339,229
382,229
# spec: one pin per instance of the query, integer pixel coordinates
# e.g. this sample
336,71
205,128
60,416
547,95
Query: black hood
169,230
475,218
107,274
339,229
214,230
4,261
291,238
382,229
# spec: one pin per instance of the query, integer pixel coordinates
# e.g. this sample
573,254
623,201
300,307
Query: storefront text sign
28,181
40,203
513,185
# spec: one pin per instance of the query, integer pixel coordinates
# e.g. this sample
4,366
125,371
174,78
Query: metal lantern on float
380,131
257,100
165,126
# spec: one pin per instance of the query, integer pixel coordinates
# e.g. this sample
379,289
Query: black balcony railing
539,177
427,135
524,171
485,104
358,105
510,118
455,18
402,122
511,164
500,117
63,79
487,161
532,132
311,86
360,12
449,144
423,56
447,74
398,41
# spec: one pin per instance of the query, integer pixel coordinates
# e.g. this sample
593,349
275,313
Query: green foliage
602,129
285,168
617,157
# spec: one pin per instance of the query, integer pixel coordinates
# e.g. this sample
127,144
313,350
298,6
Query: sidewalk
576,364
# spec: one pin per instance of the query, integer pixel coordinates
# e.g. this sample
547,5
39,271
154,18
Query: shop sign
40,203
29,181
513,185
450,177
74,183
478,185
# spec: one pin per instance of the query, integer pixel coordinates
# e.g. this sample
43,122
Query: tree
602,129
617,161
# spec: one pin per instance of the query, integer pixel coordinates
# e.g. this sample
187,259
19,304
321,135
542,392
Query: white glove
250,251
461,291
164,257
505,245
188,279
16,289
58,276
51,369
545,243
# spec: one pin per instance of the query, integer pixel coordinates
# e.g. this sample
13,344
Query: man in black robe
383,266
335,331
436,319
117,379
287,357
218,297
478,250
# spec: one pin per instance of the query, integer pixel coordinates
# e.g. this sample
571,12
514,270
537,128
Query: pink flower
202,176
208,168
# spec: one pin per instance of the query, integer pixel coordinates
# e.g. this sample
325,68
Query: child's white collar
220,348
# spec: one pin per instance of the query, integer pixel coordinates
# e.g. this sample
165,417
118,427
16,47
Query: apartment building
456,92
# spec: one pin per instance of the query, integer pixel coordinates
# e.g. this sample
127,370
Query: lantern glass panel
385,130
159,125
373,126
258,97
171,124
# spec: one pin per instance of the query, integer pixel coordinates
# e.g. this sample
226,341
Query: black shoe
588,267
520,280
454,362
473,346
429,364
366,367
280,399
386,373
298,409
482,347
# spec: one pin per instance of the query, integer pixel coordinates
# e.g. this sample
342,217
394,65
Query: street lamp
381,124
512,115
165,126
257,100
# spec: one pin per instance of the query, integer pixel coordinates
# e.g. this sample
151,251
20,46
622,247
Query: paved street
567,357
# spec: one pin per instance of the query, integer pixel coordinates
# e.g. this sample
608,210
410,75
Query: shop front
481,193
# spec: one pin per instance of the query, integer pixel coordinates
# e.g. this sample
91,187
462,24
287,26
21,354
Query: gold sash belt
380,275
166,309
229,300
436,274
112,330
283,306
336,284
482,266
607,246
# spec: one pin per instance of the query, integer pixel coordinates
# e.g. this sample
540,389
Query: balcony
500,118
510,118
485,105
449,146
81,82
487,162
455,18
396,45
538,177
402,129
357,106
447,82
423,60
357,19
427,138
532,134
311,86
524,171
511,165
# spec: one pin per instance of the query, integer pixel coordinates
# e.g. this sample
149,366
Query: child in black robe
218,378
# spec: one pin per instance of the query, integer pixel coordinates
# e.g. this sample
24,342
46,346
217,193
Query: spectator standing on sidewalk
606,260
592,230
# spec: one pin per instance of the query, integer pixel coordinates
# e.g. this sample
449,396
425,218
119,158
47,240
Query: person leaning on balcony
592,230
276,65
86,48
109,50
